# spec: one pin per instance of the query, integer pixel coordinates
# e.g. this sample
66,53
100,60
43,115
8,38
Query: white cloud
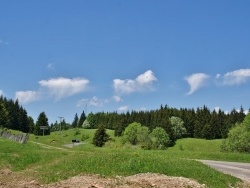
117,98
217,108
25,97
94,101
236,77
123,108
64,87
50,66
196,81
1,92
142,83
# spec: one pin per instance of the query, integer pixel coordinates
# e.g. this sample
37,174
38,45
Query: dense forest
199,123
14,116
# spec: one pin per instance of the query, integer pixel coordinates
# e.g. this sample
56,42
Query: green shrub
77,132
238,137
85,137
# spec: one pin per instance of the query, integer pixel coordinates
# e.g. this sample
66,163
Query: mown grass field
50,165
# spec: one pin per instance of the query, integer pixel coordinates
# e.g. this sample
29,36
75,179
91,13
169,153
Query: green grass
53,165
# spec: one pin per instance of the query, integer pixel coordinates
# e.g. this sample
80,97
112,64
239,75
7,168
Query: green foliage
91,121
85,137
86,124
131,133
143,137
75,122
3,115
160,138
81,120
42,121
100,137
178,127
76,131
238,137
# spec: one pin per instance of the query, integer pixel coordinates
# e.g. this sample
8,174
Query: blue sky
63,57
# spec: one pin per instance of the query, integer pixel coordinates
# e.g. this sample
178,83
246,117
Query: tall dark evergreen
12,115
100,136
82,119
42,121
75,121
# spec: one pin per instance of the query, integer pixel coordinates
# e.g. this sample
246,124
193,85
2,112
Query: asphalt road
239,170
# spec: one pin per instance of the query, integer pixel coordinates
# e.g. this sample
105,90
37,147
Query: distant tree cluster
77,123
178,123
14,116
136,134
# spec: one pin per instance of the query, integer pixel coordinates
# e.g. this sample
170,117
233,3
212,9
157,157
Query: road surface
239,170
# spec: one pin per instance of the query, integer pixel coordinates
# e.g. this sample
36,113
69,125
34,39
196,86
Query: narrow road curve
239,170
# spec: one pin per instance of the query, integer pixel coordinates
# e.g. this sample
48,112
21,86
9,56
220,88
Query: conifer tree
75,122
42,120
82,119
100,136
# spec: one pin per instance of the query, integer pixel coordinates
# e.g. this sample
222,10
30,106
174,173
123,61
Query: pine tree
42,120
75,122
100,136
81,120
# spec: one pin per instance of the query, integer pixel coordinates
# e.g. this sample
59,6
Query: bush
85,137
77,132
160,138
238,137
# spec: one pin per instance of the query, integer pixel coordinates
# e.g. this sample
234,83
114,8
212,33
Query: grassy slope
52,165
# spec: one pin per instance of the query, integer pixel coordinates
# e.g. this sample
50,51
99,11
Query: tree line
14,116
198,123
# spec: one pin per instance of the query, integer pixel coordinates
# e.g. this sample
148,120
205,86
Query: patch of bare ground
10,179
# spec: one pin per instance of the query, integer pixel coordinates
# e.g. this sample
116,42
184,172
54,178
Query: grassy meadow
54,164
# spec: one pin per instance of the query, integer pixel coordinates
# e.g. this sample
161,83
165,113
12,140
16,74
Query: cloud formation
61,87
25,97
94,101
196,81
236,77
1,92
50,66
123,108
143,82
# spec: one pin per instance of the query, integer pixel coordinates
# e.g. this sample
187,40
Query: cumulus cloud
143,82
94,101
196,81
236,77
25,97
1,92
123,108
64,87
117,98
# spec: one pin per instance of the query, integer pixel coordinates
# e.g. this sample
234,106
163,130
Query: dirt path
239,170
49,147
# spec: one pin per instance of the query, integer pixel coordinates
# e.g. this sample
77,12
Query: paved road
239,170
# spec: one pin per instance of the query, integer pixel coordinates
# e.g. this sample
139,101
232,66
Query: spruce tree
81,120
42,121
100,136
75,122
